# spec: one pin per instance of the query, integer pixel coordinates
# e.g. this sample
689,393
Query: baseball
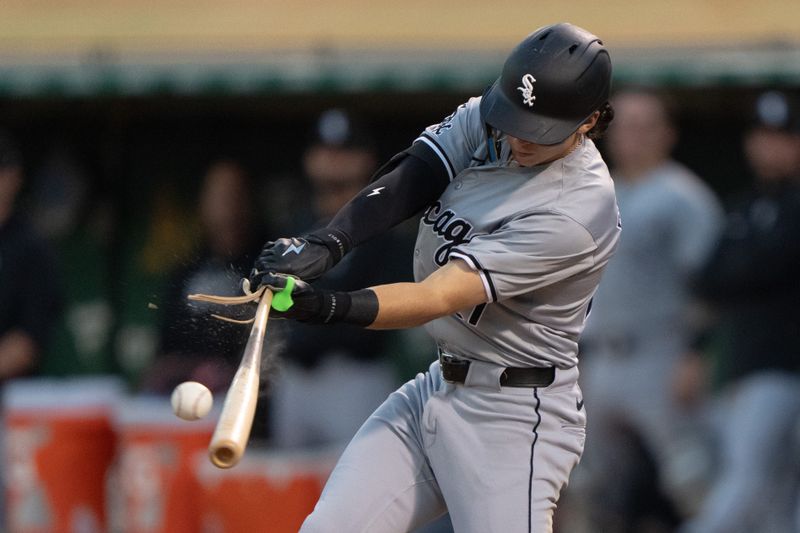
191,400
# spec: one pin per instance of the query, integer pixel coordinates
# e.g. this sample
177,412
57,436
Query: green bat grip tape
282,301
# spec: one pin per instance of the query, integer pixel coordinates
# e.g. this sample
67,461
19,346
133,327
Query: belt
455,370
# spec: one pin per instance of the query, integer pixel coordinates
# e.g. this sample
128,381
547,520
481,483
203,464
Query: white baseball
191,400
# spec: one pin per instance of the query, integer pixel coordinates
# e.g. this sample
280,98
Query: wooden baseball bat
236,419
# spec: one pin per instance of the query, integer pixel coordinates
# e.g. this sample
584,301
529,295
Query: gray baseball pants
495,457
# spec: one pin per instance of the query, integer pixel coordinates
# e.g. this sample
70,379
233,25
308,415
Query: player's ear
589,123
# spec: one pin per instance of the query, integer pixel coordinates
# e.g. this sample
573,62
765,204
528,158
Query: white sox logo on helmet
527,90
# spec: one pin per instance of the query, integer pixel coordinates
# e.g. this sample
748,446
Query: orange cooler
58,444
265,492
152,488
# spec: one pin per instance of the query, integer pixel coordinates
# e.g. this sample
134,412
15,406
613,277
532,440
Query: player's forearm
408,185
452,288
405,305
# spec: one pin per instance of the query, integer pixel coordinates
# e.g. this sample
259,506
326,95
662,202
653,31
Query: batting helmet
550,84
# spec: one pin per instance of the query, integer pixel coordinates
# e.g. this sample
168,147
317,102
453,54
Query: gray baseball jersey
540,238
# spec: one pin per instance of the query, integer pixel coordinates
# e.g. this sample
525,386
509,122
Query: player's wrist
336,241
359,308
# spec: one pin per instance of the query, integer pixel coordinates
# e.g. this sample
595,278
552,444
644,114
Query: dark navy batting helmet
550,84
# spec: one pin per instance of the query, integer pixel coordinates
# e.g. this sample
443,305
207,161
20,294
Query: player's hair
606,116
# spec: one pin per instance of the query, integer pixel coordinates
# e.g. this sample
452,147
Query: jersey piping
427,139
533,448
474,264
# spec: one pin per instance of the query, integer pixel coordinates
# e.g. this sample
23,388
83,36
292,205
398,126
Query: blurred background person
639,327
335,376
29,281
192,344
30,293
752,281
70,207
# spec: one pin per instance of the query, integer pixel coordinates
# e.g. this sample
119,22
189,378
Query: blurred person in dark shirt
335,376
29,290
751,280
192,344
71,208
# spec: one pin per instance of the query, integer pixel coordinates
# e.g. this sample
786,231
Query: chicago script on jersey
453,230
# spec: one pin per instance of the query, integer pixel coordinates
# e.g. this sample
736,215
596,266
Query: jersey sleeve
456,139
528,253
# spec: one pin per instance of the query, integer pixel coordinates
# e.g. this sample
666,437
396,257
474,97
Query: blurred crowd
689,362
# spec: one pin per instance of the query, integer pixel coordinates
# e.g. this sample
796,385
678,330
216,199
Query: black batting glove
307,257
321,306
306,303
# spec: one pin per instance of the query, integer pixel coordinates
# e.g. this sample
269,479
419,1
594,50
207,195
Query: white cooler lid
67,394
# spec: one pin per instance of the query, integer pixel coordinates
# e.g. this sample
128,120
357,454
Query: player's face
529,154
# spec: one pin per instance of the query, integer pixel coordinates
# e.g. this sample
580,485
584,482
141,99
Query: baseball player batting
520,219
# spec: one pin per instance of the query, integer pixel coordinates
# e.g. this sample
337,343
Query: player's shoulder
588,197
471,105
458,138
587,172
467,113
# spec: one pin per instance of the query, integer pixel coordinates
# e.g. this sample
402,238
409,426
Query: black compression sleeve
410,181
